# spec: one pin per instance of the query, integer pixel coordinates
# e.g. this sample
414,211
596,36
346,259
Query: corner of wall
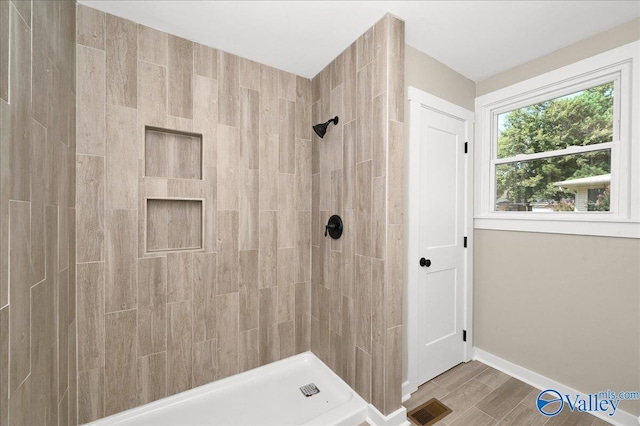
357,172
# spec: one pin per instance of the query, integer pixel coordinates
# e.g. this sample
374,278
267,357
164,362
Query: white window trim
624,220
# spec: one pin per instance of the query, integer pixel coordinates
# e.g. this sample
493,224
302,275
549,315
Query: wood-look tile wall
37,213
151,325
356,281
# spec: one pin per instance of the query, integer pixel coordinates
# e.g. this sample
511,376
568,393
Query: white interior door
440,267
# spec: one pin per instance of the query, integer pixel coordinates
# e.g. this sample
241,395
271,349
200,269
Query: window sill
599,226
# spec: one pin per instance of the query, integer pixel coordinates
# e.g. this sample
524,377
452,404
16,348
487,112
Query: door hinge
466,144
465,242
464,335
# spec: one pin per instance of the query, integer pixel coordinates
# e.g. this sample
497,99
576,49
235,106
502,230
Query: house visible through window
555,155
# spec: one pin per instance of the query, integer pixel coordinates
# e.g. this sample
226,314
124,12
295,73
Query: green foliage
584,118
602,200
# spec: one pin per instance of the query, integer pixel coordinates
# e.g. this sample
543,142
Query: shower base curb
272,390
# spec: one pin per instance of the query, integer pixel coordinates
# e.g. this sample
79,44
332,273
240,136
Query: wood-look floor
480,396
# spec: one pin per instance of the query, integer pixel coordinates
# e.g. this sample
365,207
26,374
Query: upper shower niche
172,154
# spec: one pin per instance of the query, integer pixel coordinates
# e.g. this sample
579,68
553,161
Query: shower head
321,128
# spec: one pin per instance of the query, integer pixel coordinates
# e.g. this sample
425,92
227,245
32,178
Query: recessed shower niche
172,154
174,224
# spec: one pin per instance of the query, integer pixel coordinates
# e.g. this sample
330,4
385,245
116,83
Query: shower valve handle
327,227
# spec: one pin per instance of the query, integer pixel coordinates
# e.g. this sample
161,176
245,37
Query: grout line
92,48
90,263
123,310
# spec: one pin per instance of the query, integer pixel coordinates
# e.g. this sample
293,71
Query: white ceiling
476,38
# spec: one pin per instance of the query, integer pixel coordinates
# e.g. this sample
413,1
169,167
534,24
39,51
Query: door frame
417,100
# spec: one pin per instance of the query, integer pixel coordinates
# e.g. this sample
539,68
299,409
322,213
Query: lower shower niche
174,224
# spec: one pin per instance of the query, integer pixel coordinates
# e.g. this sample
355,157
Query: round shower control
334,227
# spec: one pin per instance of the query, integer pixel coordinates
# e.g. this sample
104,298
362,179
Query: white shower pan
268,395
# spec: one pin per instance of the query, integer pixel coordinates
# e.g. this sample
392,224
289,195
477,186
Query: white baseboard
397,418
541,382
407,391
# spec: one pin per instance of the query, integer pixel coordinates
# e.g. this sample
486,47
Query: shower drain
309,390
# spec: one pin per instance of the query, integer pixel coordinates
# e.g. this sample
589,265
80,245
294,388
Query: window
536,163
560,151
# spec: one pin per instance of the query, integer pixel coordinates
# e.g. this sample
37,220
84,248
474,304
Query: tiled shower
37,213
193,262
196,194
356,281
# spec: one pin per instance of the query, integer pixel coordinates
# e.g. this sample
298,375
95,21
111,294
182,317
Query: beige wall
357,279
513,291
431,76
607,40
37,213
564,306
151,325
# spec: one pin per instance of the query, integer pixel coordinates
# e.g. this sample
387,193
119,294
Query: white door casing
439,217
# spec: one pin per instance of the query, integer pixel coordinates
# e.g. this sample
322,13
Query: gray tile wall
151,325
37,213
356,281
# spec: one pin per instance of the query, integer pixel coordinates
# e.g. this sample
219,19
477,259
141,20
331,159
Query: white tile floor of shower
268,395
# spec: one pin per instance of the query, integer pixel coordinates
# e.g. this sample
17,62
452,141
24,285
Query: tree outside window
541,136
